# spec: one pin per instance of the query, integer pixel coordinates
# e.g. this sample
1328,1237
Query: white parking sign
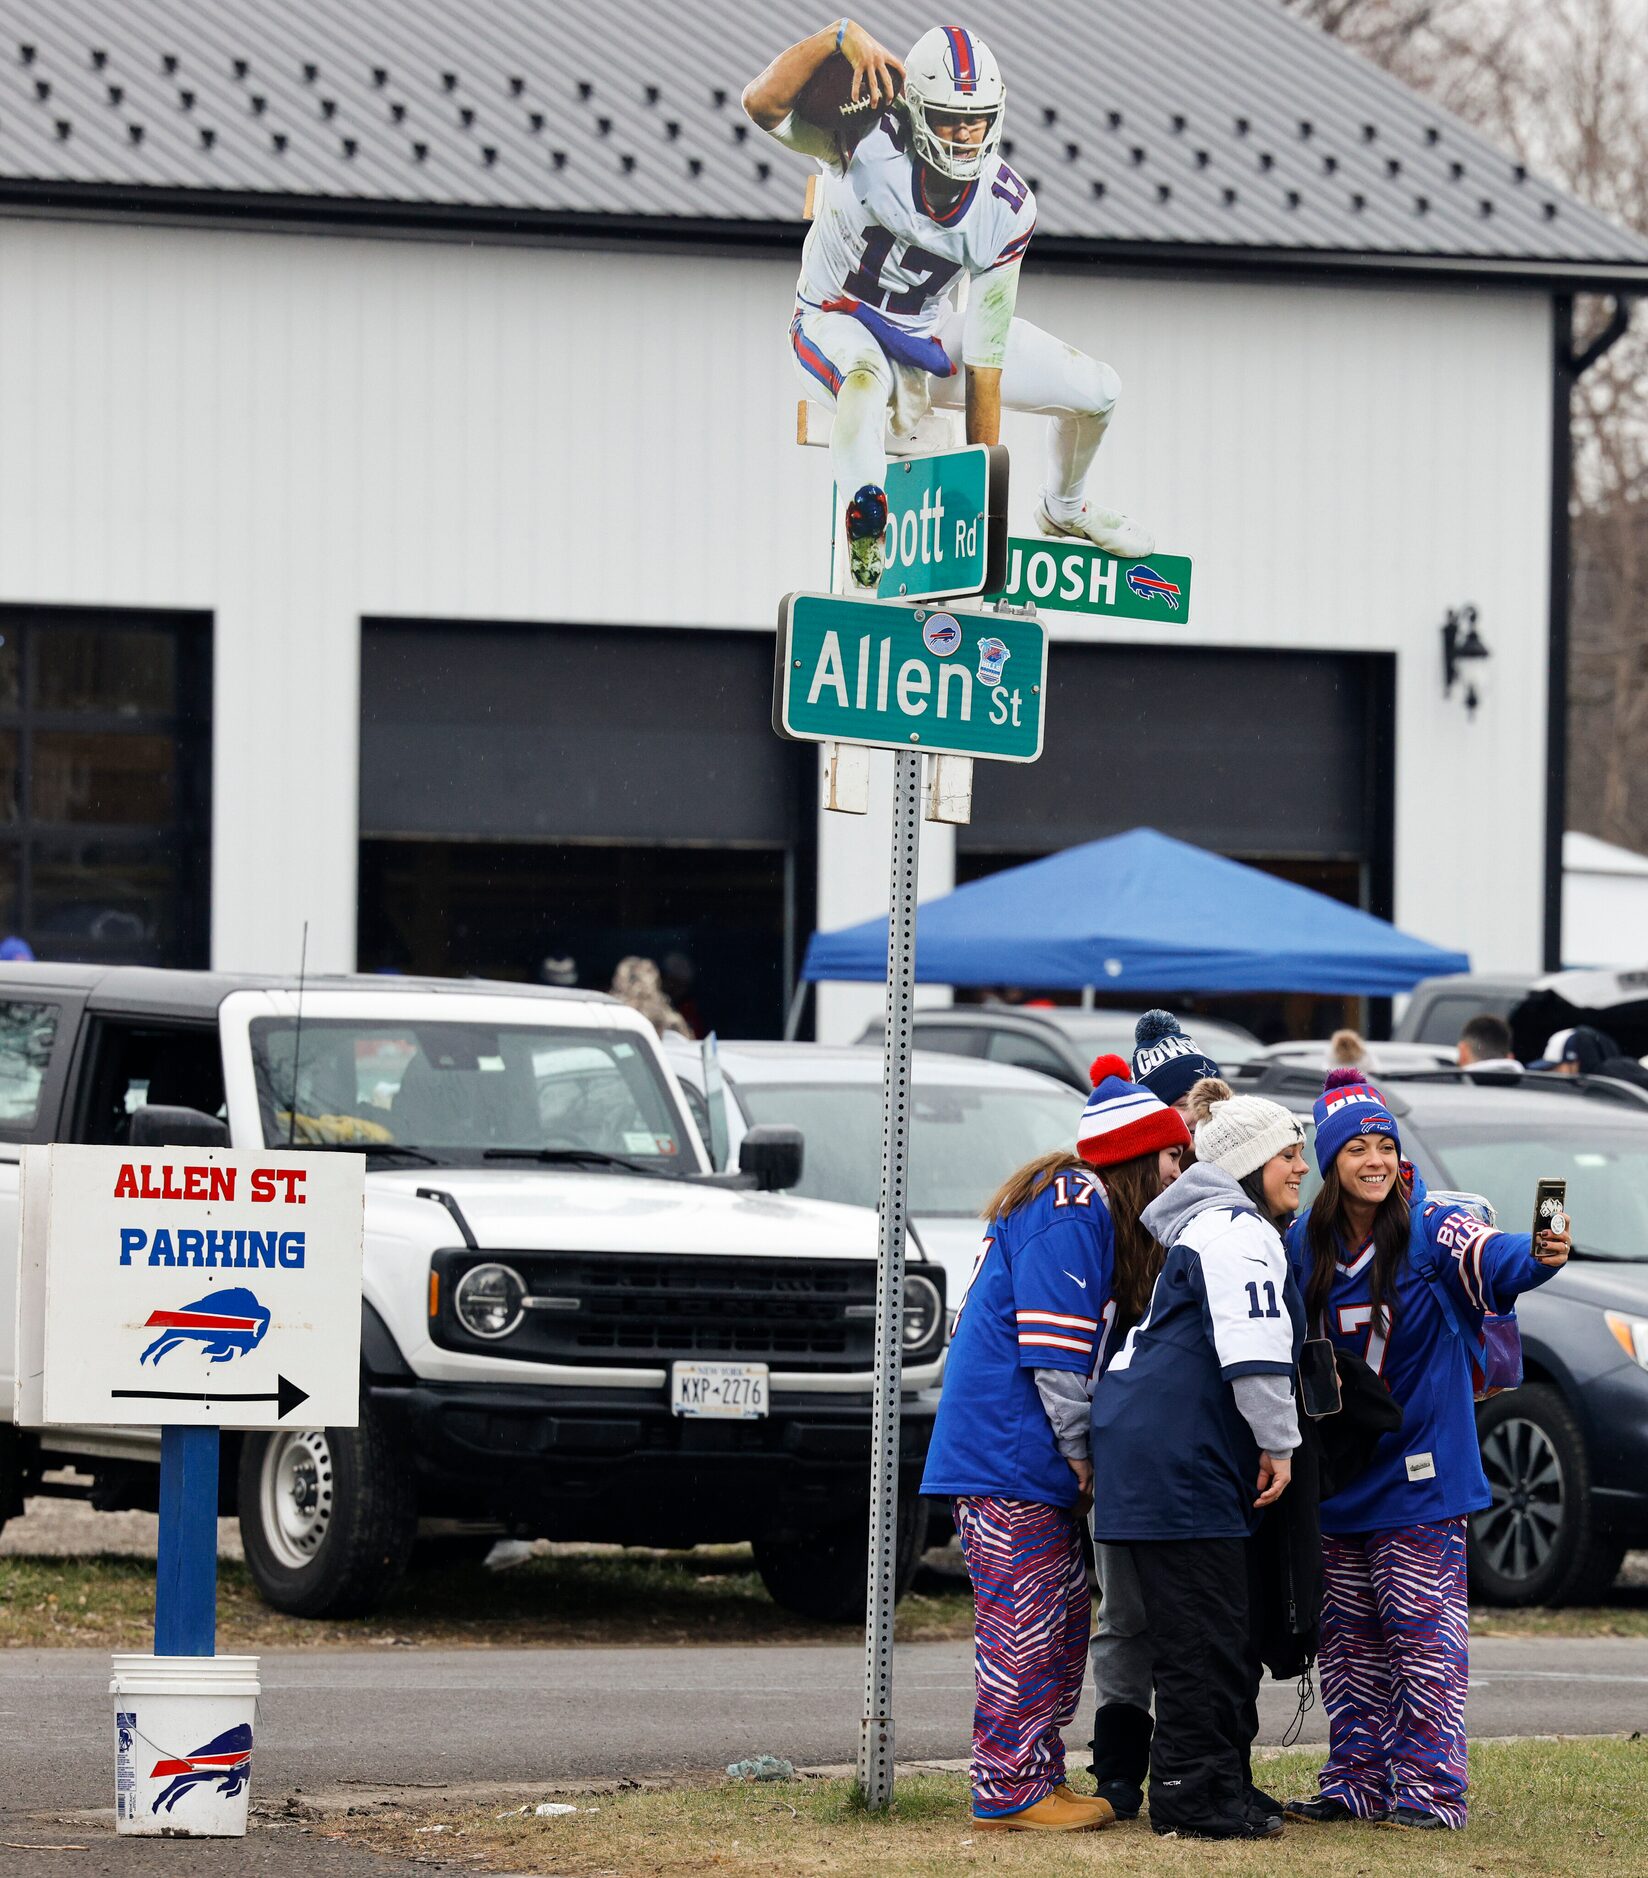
195,1287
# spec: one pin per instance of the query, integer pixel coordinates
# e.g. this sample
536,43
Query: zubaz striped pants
1031,1611
1395,1666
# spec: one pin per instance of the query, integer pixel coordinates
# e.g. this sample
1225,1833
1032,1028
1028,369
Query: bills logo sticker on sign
1143,580
225,1324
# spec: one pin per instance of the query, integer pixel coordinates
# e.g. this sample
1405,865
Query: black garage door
1275,757
529,792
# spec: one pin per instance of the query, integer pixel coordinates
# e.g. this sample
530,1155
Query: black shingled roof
1213,131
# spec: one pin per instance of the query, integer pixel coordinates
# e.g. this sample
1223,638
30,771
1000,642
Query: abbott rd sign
900,677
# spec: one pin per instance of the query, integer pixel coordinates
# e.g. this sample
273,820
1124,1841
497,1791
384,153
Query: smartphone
1550,1207
1318,1378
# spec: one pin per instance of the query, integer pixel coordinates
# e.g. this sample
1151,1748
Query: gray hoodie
1266,1402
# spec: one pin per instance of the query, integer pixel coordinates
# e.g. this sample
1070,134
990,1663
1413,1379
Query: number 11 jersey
876,238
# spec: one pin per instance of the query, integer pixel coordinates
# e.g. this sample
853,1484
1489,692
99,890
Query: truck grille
645,1309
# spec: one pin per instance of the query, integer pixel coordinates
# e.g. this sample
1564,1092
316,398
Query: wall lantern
1461,642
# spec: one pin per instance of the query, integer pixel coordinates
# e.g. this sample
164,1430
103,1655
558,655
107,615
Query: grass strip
1539,1809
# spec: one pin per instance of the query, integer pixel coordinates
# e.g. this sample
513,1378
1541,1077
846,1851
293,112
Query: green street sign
905,677
1056,574
946,523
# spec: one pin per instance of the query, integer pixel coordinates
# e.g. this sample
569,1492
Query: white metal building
392,541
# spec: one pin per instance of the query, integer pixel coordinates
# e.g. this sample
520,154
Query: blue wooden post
186,1573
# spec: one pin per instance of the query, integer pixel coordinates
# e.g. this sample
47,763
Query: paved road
476,1716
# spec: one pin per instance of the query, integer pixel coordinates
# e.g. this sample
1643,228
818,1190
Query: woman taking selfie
1404,1282
1010,1445
1194,1427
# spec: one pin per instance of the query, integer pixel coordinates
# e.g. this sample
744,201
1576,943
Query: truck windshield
964,1142
454,1090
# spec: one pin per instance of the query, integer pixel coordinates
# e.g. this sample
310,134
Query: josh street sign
1064,576
946,523
905,677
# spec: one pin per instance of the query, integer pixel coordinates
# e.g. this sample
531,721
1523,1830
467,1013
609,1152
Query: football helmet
952,72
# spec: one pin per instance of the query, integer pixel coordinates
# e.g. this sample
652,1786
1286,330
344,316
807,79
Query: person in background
1485,1043
1587,1051
1194,1428
1387,1273
553,969
1349,1046
1010,1446
15,951
636,983
1169,1063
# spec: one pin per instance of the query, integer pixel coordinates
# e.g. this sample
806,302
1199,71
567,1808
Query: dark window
950,1039
132,1065
1008,1046
105,776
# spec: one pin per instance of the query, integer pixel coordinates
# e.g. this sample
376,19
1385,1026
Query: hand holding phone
1550,1229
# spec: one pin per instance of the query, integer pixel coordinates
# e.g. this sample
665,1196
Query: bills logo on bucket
225,1760
1143,580
941,635
225,1324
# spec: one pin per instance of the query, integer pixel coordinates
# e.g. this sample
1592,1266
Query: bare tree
1563,84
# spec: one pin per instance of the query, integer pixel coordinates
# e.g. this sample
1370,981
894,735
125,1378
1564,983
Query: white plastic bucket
183,1744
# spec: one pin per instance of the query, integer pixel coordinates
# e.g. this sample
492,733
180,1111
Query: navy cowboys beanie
1165,1059
1124,1119
1348,1106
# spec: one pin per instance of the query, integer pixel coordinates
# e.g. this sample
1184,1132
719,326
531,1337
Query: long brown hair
1129,1188
1326,1233
1030,1181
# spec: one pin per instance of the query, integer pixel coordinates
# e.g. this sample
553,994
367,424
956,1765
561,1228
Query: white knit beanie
1244,1132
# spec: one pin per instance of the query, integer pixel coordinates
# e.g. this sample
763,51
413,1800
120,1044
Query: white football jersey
874,238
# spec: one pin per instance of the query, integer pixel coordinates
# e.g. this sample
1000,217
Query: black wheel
11,1474
327,1517
1537,1543
825,1576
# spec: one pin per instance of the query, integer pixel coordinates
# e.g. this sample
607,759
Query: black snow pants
1206,1672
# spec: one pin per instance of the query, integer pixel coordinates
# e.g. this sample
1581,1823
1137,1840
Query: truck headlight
923,1311
489,1300
1631,1334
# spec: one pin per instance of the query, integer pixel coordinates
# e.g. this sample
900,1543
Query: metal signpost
199,1289
945,685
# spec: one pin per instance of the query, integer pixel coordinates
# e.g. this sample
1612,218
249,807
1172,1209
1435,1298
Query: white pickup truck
551,1265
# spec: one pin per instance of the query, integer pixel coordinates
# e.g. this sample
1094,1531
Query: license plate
732,1391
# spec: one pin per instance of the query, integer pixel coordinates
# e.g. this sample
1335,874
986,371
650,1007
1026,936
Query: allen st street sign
919,678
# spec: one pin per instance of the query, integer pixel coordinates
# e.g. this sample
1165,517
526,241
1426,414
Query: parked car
546,1244
971,1124
1060,1041
1567,1453
1438,1009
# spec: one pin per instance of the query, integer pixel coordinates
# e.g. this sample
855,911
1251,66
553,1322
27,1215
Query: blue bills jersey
1431,1467
1039,1298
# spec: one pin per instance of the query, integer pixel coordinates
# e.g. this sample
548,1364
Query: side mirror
772,1152
157,1126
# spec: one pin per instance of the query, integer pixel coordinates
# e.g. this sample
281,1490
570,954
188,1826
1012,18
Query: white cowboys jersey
874,237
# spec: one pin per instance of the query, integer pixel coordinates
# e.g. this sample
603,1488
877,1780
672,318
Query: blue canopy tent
1141,912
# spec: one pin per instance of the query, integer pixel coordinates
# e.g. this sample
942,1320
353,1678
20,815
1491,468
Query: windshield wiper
364,1147
574,1157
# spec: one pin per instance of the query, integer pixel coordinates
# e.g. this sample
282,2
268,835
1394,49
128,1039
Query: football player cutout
922,199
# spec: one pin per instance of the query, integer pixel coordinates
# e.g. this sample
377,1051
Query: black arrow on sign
286,1394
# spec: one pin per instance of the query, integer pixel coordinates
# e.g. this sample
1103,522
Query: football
827,101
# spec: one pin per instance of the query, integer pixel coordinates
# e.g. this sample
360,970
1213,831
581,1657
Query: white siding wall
295,431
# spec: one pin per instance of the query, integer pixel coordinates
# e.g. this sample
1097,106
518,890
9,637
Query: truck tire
11,1474
1537,1543
327,1517
826,1577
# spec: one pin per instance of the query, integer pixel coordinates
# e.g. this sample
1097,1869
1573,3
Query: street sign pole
875,1746
186,1563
